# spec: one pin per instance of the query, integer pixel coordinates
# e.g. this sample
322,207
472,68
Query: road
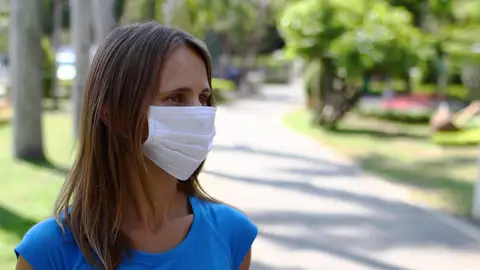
317,210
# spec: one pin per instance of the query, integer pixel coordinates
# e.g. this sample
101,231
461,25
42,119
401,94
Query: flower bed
409,108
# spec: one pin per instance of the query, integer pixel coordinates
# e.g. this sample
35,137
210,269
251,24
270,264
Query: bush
220,86
411,116
456,91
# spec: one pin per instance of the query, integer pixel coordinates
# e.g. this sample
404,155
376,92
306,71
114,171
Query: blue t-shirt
219,238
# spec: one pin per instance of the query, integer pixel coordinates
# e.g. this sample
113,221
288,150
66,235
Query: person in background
132,199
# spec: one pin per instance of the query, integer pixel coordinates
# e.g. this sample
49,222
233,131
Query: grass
467,136
402,153
28,189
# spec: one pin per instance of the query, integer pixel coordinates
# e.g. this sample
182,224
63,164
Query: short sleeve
234,228
243,235
40,246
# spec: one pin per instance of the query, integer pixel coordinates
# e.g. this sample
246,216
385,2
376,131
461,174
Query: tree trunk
81,39
316,88
103,18
408,83
56,42
337,97
442,74
26,71
169,8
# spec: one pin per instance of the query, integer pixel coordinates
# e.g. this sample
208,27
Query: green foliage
357,35
48,62
240,23
150,9
48,16
311,77
385,40
466,11
310,26
119,7
222,85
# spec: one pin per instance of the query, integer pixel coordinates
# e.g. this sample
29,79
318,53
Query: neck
168,201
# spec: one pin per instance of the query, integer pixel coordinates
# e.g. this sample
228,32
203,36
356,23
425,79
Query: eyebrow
183,89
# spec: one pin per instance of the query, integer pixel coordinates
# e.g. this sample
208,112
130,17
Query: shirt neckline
137,255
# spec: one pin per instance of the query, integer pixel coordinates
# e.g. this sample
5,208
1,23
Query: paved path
316,210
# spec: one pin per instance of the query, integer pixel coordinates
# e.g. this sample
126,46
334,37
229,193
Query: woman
132,199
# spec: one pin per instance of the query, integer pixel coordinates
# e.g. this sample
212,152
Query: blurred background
390,87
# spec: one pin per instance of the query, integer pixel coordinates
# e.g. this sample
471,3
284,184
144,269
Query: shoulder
222,213
44,244
232,226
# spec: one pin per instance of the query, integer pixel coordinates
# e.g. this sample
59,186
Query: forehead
183,68
183,62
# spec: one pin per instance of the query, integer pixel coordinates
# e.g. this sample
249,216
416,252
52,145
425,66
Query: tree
81,32
349,39
56,42
26,78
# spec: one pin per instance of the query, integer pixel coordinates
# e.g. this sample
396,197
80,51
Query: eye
204,98
174,98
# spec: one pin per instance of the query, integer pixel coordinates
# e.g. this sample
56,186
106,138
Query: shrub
220,86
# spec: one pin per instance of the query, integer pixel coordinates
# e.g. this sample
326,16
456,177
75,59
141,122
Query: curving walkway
316,210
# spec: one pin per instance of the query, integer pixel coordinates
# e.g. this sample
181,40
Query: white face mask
179,138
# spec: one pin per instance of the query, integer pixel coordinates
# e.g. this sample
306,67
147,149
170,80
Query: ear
104,114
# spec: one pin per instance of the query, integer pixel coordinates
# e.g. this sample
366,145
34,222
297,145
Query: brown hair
123,79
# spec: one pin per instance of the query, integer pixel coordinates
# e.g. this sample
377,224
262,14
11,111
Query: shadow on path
302,243
390,225
398,224
286,155
430,175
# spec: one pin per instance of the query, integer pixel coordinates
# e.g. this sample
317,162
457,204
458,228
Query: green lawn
403,153
28,189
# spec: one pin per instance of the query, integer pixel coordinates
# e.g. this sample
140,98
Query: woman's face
184,80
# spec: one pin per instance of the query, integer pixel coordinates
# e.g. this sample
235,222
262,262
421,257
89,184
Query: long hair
122,81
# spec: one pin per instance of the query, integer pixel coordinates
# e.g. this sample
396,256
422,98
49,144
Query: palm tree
26,71
81,32
103,18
